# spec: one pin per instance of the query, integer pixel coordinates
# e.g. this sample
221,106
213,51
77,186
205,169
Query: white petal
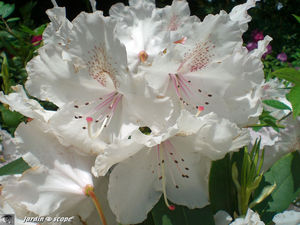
239,14
58,30
133,177
222,218
192,190
139,28
251,218
18,101
53,79
287,217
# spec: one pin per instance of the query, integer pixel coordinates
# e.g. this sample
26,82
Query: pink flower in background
257,35
36,40
269,51
282,57
251,45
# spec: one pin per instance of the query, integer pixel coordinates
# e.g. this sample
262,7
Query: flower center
143,56
99,116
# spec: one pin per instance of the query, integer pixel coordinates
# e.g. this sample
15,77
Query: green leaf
16,167
276,104
5,73
40,29
27,30
6,10
294,98
288,74
13,19
221,188
297,17
285,174
10,119
181,215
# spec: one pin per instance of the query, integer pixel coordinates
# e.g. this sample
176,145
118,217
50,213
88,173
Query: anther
143,56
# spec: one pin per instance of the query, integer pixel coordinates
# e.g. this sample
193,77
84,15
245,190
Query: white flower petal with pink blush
202,79
177,168
99,101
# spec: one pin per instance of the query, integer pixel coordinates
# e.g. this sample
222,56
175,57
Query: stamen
200,109
143,56
171,207
180,41
89,191
105,116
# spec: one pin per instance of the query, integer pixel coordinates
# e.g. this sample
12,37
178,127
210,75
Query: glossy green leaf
181,215
288,74
294,98
285,174
276,104
16,167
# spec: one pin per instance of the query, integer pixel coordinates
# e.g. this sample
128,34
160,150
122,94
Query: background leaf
285,173
276,104
294,98
288,74
16,167
6,10
181,215
221,188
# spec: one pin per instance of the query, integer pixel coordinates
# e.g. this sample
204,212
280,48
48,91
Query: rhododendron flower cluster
147,98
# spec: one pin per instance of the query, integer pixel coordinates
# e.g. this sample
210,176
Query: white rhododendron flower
57,182
252,218
89,81
178,167
147,98
290,217
205,73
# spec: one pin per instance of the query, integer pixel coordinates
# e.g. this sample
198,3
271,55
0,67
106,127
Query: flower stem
89,190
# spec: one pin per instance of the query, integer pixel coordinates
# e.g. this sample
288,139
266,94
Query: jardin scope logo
7,219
